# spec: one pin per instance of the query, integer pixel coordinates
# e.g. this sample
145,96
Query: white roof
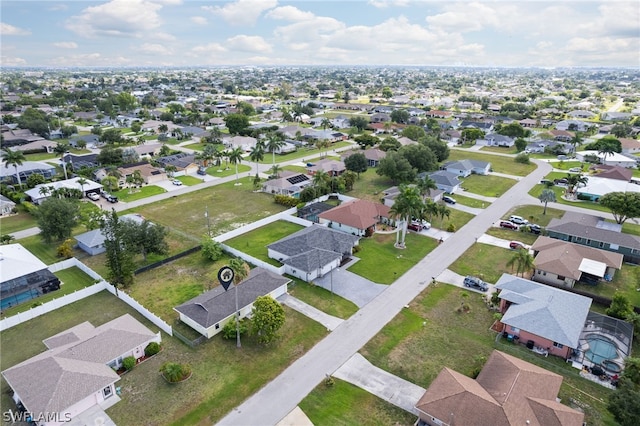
72,183
16,261
601,186
593,267
609,158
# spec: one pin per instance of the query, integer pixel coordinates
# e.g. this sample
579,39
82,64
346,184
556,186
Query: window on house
544,273
107,392
578,239
560,277
539,271
217,326
515,329
558,345
600,244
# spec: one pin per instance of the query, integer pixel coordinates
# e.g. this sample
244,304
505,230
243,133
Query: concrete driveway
350,286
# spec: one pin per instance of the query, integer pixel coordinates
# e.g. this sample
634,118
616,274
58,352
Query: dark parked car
202,170
475,282
111,198
535,229
508,225
414,227
448,200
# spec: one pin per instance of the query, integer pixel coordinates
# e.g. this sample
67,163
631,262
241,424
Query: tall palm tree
321,182
407,204
208,153
235,157
425,185
325,123
15,159
523,260
442,211
257,154
575,180
275,170
576,140
274,143
606,150
82,182
61,149
45,190
547,196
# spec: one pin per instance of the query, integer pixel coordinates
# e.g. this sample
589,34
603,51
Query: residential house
562,263
404,141
613,159
182,162
24,170
148,149
245,143
445,181
148,173
390,195
357,217
24,276
582,114
495,139
41,145
598,186
310,212
91,140
438,114
616,116
542,316
154,126
15,137
562,135
332,167
575,125
373,155
452,136
380,117
289,183
612,172
209,312
38,197
485,127
507,392
76,373
76,162
465,168
6,206
92,242
313,252
528,123
629,146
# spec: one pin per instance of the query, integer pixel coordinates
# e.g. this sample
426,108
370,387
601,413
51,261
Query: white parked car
176,182
93,196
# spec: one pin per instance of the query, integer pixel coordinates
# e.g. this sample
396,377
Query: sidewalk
329,321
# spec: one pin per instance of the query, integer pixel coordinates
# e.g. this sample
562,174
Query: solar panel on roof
297,179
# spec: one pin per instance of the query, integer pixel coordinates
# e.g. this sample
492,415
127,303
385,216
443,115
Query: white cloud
89,59
289,13
12,61
466,17
211,47
117,18
245,43
199,20
6,29
57,7
153,49
163,36
383,4
242,12
66,44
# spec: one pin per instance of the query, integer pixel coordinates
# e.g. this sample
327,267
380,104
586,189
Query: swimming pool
600,348
17,299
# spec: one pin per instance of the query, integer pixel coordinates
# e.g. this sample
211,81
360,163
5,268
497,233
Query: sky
179,33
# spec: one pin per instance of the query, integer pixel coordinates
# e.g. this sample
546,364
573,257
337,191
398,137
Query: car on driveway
535,229
516,245
93,196
448,200
518,220
176,182
575,169
475,282
508,225
415,226
111,198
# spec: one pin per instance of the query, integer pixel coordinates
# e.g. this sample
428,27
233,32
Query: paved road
270,404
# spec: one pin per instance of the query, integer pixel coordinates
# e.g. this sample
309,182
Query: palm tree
606,150
274,143
208,154
15,159
170,169
235,157
576,140
523,261
322,143
257,154
110,182
321,181
82,182
425,185
163,128
408,204
45,190
61,149
547,196
575,180
275,170
240,268
325,123
442,211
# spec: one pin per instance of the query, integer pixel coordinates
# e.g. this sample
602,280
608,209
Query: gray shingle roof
466,164
593,228
215,305
546,311
445,178
315,237
313,259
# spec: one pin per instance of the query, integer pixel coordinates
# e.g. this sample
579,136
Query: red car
516,245
414,227
508,225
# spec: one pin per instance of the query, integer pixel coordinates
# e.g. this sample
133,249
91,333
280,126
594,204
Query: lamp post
238,344
206,214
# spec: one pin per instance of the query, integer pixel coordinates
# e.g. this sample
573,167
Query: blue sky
363,32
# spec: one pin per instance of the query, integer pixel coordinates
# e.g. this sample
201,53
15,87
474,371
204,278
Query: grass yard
369,186
72,279
17,222
322,299
508,234
297,169
46,252
223,376
230,207
382,263
559,190
498,163
431,334
305,153
533,213
216,171
500,149
457,218
139,193
471,202
255,242
334,405
489,186
189,180
485,261
625,281
566,165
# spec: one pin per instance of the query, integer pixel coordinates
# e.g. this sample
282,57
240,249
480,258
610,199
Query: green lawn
508,234
369,186
625,281
229,206
489,186
559,191
46,252
189,180
500,149
382,263
304,153
72,279
139,193
18,222
498,163
222,171
255,242
471,202
533,213
457,218
431,334
334,405
485,261
297,169
218,366
566,165
321,299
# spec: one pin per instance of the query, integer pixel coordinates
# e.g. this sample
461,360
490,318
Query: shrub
522,158
451,228
30,207
286,200
174,372
65,250
152,349
211,249
128,363
229,329
356,249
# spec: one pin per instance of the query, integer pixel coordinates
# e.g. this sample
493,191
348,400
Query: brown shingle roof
359,214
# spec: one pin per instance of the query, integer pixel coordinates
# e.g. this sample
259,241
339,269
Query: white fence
69,263
141,309
255,225
253,260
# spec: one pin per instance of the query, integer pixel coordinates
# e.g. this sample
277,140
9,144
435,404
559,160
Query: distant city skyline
179,33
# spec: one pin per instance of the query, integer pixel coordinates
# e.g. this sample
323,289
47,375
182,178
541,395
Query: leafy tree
68,131
236,123
624,403
471,135
111,136
623,205
620,306
34,120
420,157
359,123
136,127
389,144
348,178
144,237
126,101
6,238
366,140
521,144
65,250
110,156
56,218
35,179
522,158
247,108
400,116
414,133
621,130
267,318
547,196
387,93
607,144
119,257
397,168
356,163
15,159
211,249
439,148
514,130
